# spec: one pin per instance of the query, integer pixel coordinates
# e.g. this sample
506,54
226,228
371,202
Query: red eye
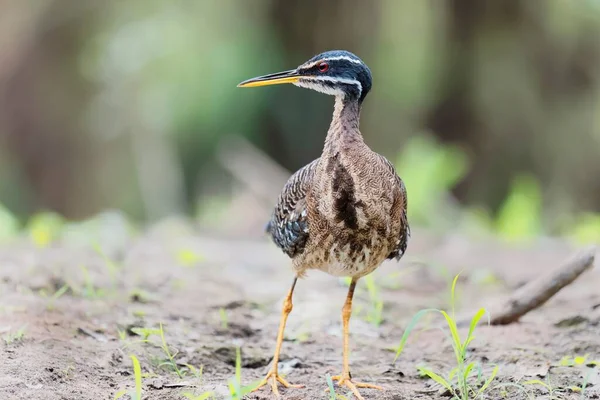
323,67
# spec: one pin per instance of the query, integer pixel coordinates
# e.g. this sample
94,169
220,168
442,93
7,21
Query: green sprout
55,296
457,381
375,313
236,389
224,318
15,337
203,396
135,394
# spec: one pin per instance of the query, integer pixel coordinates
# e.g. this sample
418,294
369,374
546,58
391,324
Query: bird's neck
343,131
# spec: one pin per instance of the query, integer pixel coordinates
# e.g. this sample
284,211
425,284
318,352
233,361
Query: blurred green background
489,109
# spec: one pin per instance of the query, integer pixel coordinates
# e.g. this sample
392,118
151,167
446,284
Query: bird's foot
273,377
345,380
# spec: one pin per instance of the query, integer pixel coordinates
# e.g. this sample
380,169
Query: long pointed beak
290,76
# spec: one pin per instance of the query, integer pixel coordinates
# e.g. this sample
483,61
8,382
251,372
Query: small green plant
551,390
111,266
332,394
145,333
15,337
458,380
375,312
170,355
579,362
203,396
188,258
55,296
224,318
170,360
122,334
89,290
568,361
136,393
197,372
584,384
236,389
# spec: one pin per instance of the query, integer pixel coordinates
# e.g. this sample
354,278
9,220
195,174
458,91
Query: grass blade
411,325
489,380
474,322
452,293
120,394
436,378
457,343
537,382
137,373
238,366
468,370
331,389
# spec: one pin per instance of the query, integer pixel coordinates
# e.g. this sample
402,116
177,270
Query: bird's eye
323,67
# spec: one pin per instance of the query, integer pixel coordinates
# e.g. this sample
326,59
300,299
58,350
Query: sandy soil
213,295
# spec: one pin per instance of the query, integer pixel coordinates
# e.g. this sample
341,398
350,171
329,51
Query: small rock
156,384
286,366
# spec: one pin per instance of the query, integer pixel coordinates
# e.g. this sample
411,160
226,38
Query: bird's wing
288,225
400,248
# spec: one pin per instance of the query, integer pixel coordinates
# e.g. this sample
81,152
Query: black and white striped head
338,72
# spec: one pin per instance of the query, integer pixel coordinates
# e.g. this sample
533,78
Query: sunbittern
345,212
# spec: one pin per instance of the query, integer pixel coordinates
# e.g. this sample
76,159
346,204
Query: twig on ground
538,291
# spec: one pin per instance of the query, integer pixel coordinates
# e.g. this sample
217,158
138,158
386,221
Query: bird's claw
353,386
273,377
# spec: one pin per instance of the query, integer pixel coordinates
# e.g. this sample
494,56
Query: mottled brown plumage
345,212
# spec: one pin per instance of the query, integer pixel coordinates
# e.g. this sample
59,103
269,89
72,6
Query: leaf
452,373
120,394
411,325
480,313
579,360
468,370
489,380
137,373
330,385
536,382
457,344
238,365
436,378
565,361
452,293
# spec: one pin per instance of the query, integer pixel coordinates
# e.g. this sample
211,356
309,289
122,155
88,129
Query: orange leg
345,379
273,376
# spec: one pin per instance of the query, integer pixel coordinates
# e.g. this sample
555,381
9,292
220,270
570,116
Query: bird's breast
352,228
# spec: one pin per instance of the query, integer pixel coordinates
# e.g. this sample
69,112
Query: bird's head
338,72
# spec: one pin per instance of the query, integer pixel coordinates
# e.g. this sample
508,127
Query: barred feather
405,232
289,225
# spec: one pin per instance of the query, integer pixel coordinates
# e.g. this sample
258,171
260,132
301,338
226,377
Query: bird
345,212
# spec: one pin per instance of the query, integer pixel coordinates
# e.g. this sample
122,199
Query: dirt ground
213,295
